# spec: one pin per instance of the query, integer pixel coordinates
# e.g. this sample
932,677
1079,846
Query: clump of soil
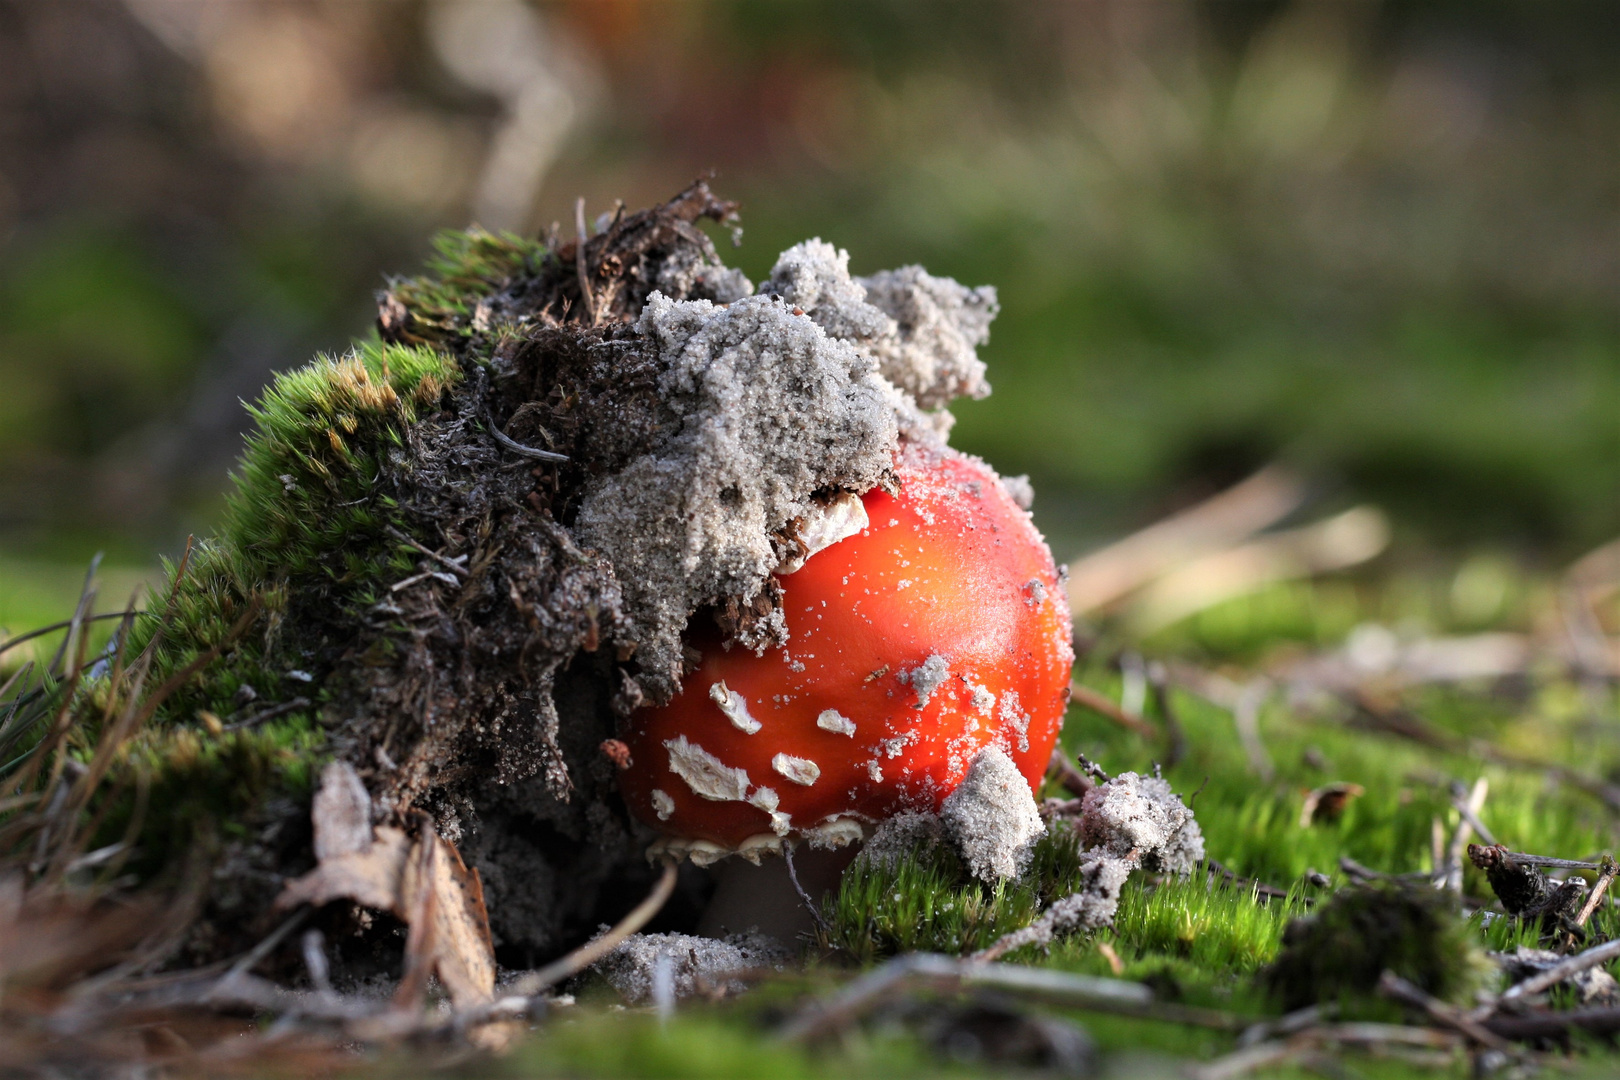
1141,819
630,439
691,965
993,818
990,823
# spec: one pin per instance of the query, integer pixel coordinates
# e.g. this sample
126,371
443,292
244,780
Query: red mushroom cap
938,629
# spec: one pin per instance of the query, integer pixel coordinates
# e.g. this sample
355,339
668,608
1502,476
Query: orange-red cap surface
938,629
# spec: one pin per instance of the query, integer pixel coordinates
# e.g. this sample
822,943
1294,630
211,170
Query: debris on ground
423,882
1140,817
1090,907
1593,986
992,817
697,965
1527,892
1328,802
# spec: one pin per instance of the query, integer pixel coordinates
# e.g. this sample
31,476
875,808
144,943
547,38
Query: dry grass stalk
1087,698
1102,578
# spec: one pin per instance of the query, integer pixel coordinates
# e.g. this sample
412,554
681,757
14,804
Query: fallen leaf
341,813
424,882
370,877
442,894
419,908
1327,802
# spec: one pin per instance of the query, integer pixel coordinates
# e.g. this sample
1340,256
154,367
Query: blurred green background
1380,242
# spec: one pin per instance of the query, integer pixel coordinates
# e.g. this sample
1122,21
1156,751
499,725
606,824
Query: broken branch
1395,988
1605,879
1599,954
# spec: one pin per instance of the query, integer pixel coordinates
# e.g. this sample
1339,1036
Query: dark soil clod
1528,893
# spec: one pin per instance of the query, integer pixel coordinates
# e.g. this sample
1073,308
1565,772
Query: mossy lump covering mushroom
597,549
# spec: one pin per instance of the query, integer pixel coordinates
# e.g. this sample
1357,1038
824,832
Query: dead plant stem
593,950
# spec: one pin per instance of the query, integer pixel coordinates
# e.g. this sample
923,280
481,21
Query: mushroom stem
764,896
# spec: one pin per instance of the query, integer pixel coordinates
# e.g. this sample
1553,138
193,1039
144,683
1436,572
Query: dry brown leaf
440,892
424,882
1327,802
418,902
370,877
341,813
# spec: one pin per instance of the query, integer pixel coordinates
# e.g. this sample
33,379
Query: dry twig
1471,816
1553,1025
1068,774
580,263
1468,809
1098,580
598,947
1388,1038
1395,988
1087,698
948,974
1604,880
1287,1024
1394,720
804,897
1598,954
1258,887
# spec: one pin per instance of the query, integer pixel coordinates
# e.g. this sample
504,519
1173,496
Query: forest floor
1331,734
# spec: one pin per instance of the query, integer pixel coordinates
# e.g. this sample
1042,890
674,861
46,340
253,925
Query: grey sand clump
1141,818
992,817
698,964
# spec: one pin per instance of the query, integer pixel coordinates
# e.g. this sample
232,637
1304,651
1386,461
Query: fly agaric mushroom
935,627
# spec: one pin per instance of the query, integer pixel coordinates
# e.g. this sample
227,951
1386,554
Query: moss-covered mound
1338,953
391,582
459,555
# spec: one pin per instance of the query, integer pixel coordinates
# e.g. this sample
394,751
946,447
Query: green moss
195,787
253,624
1217,927
1252,825
305,516
306,512
926,901
466,267
920,904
